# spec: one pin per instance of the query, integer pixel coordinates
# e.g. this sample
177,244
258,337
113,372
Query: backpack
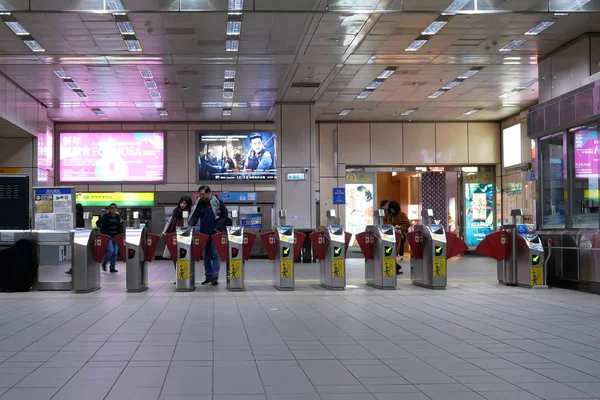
224,221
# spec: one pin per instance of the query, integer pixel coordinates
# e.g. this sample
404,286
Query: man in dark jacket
208,215
110,224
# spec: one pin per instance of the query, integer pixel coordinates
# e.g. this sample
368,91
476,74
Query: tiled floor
476,340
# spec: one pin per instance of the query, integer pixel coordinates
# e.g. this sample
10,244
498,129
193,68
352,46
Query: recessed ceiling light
61,74
437,94
416,45
235,5
574,5
451,84
146,74
71,84
17,28
234,28
114,5
345,112
513,45
151,85
506,95
408,112
560,14
470,73
229,84
375,84
98,112
229,74
34,45
232,45
227,112
228,94
457,5
434,27
155,95
162,112
133,45
364,94
511,58
80,93
527,84
387,73
471,112
536,30
126,28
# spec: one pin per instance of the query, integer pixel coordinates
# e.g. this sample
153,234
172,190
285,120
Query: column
296,159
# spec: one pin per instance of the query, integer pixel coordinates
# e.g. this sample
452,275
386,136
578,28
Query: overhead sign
121,199
339,195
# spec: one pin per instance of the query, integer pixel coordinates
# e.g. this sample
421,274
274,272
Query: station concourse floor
475,340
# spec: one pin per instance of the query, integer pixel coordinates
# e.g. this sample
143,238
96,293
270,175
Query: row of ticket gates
520,255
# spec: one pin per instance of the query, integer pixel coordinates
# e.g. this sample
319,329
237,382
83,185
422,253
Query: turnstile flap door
320,243
151,244
366,240
100,245
222,244
171,243
299,239
249,239
198,244
269,240
454,245
495,245
415,240
398,237
348,236
120,240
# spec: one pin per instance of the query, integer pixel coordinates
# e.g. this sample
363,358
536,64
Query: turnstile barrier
331,246
89,247
378,244
283,246
141,247
234,247
190,246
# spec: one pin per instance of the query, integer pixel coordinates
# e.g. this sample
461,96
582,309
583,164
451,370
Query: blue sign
339,196
239,197
251,221
52,190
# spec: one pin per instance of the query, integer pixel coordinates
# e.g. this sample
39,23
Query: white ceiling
342,52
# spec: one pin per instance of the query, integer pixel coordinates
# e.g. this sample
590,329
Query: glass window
585,175
552,181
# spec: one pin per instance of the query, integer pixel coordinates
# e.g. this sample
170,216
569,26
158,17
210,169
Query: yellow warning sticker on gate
287,268
536,277
439,266
338,268
235,269
389,267
183,269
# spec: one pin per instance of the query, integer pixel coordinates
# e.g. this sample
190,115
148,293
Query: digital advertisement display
112,157
46,149
359,208
237,156
587,154
479,212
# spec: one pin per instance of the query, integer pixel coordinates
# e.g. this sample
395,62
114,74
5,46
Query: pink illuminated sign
45,149
112,157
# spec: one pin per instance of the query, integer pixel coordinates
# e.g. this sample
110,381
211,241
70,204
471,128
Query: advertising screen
112,157
359,208
587,157
237,156
479,211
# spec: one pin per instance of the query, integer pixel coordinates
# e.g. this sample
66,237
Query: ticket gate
283,246
89,248
141,247
186,247
234,247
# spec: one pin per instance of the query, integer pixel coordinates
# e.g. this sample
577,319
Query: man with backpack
209,215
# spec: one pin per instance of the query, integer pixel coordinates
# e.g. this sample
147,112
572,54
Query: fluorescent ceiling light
437,94
364,94
434,27
416,45
126,28
133,45
80,93
229,74
457,5
506,95
235,5
227,112
387,73
512,45
155,95
229,85
234,28
345,112
162,112
71,84
146,74
375,84
61,74
114,5
470,73
471,112
34,45
232,45
559,14
527,84
17,28
451,84
536,30
574,5
98,112
408,112
228,94
511,58
151,85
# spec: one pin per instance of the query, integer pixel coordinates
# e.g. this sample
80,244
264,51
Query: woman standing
396,217
185,204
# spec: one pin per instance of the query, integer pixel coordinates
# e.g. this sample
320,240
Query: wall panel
353,144
386,144
451,143
419,144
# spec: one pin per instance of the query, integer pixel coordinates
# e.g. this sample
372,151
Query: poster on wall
54,208
587,154
479,212
359,208
111,157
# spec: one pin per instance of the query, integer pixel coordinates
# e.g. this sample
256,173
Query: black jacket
110,224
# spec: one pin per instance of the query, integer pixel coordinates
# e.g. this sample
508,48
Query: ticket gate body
283,246
428,269
378,244
188,252
235,247
89,248
140,248
331,246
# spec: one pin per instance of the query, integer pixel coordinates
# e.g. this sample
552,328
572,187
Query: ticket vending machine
140,251
283,246
378,244
331,245
235,247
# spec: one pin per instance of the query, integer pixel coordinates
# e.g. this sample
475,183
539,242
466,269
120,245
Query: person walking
110,224
396,217
176,220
